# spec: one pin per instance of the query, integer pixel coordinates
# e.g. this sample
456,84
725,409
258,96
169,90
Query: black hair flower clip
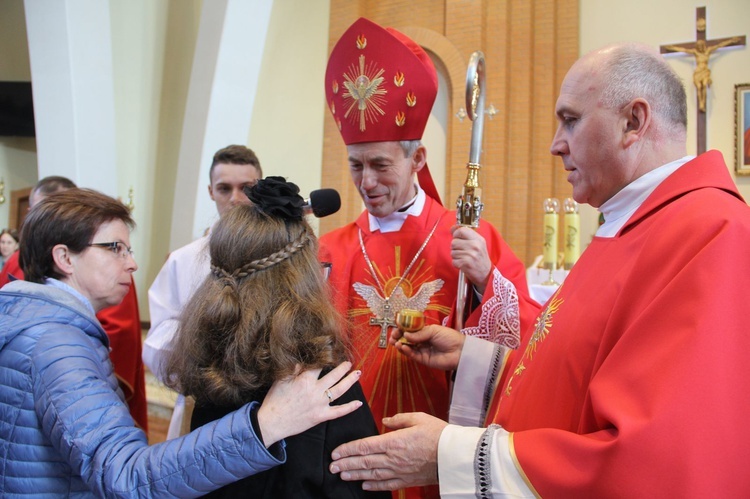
277,197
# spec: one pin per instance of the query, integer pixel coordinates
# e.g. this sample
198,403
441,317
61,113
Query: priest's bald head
621,113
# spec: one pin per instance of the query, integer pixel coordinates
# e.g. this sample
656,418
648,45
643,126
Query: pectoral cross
702,49
385,323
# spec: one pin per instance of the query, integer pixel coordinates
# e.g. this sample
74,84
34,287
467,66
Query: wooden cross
702,49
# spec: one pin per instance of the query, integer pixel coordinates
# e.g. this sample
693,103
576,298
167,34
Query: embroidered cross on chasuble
396,271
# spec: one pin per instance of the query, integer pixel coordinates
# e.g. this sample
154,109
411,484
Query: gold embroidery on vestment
541,331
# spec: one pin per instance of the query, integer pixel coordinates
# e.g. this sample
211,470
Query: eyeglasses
116,247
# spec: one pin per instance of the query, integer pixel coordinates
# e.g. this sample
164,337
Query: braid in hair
228,278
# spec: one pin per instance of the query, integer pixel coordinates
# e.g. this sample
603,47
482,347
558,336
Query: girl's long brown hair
250,324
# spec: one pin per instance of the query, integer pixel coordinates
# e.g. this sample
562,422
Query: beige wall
152,54
153,43
287,126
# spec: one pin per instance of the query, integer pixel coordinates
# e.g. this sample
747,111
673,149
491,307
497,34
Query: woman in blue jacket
65,430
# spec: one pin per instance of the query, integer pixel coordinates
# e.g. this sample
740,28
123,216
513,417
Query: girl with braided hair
263,314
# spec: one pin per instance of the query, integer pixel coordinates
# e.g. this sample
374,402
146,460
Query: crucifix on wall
702,49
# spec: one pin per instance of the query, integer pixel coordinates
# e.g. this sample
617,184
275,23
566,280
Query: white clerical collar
618,209
395,220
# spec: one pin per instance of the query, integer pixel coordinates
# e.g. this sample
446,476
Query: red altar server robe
635,380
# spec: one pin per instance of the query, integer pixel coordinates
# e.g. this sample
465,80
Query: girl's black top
305,473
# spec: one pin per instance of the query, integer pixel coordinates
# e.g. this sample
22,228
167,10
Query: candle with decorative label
551,216
571,232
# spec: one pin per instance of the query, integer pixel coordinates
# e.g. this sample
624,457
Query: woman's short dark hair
69,217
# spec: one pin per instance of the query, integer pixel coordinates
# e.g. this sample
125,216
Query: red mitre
380,87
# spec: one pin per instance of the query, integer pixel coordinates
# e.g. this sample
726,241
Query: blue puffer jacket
65,430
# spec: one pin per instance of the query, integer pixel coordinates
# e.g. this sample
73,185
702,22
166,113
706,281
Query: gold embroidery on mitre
541,331
333,107
335,87
363,91
398,80
361,42
411,99
400,118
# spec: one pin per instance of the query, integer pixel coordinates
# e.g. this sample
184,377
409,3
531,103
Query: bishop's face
383,175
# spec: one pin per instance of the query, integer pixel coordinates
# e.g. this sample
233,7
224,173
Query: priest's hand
469,253
435,346
406,457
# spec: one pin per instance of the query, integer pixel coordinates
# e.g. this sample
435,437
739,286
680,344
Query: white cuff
475,380
476,462
456,449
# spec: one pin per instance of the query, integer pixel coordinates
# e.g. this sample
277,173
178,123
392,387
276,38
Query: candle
551,210
571,232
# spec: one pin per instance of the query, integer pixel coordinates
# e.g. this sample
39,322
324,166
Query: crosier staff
469,204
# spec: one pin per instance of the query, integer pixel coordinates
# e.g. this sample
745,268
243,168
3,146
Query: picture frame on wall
742,128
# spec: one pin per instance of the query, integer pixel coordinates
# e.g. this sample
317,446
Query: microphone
322,202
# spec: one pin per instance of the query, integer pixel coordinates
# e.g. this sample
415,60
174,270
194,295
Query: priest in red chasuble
404,251
634,379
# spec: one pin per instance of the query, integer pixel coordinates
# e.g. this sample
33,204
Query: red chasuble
636,378
392,383
11,268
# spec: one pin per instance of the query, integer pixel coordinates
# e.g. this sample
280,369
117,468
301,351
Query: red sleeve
11,267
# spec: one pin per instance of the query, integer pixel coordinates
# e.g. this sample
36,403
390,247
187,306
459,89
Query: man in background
122,322
42,189
232,169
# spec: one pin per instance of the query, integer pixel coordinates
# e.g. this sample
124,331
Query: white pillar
70,54
223,84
